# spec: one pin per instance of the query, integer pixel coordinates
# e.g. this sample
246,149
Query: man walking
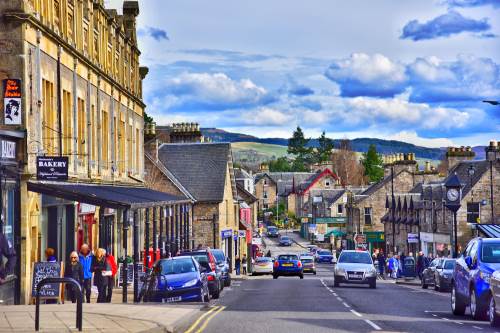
420,264
381,263
86,261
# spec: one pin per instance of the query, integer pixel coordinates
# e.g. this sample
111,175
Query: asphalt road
310,305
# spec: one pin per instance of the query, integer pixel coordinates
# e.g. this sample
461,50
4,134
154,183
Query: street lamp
452,202
491,156
393,212
471,170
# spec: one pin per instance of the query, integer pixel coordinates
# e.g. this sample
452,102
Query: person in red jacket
114,268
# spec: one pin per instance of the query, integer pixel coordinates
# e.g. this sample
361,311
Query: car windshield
177,266
355,258
285,238
219,256
202,259
306,261
263,260
271,229
449,264
288,257
324,252
490,252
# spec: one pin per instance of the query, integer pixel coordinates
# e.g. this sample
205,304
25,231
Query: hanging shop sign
226,233
412,238
12,109
8,149
52,168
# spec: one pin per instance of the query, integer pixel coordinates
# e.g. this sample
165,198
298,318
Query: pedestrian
237,265
381,263
102,271
73,269
268,254
397,266
50,255
420,264
7,251
199,247
244,264
86,258
111,279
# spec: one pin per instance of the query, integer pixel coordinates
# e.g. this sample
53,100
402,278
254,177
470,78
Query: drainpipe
59,106
75,118
99,126
38,85
89,129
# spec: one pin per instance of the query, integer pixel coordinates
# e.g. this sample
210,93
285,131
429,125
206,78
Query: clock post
453,188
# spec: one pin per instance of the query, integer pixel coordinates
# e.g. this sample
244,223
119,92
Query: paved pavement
289,304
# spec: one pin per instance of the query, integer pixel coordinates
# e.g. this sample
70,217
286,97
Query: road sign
360,238
412,238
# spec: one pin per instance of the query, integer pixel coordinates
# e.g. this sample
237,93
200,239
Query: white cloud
412,137
265,116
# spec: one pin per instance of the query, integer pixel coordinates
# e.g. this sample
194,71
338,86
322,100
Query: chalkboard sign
42,270
130,273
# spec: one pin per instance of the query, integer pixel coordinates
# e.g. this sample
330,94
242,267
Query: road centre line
372,324
340,299
445,319
356,313
202,327
346,305
477,327
192,327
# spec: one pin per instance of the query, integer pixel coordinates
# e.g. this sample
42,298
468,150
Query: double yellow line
205,319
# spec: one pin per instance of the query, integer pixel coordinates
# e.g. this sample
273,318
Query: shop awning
336,233
489,230
111,196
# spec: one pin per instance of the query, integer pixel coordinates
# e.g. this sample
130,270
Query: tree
297,146
347,166
324,151
372,162
282,164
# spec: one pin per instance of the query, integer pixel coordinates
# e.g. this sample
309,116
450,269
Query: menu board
42,270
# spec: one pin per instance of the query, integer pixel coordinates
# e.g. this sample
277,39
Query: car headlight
371,271
190,283
485,276
340,271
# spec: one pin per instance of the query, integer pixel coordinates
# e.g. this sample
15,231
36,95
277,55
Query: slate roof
241,174
462,171
286,180
200,167
244,194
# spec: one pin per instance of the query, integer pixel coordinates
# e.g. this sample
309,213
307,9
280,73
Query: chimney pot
493,144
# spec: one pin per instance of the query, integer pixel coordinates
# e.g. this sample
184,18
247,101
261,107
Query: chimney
492,151
455,155
130,12
427,166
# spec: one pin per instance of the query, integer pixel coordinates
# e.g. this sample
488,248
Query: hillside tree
298,147
346,164
323,152
373,164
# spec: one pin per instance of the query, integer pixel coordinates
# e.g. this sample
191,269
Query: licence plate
287,265
172,299
355,276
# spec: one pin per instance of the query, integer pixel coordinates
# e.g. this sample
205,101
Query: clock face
452,194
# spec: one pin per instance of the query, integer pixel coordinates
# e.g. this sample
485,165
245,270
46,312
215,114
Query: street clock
453,189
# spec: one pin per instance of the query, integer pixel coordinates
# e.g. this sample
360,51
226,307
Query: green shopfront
331,230
375,240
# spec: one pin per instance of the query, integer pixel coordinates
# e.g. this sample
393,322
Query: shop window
105,139
265,194
340,209
473,213
368,215
67,133
49,122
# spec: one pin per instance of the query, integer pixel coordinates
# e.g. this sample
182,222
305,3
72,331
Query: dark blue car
272,232
178,279
223,264
324,256
471,277
288,265
285,241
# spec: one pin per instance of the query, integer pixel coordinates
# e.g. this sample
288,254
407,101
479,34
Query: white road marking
340,299
477,327
445,319
459,323
356,313
372,324
346,305
434,315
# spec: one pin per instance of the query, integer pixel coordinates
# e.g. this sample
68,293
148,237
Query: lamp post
471,170
452,202
491,156
393,211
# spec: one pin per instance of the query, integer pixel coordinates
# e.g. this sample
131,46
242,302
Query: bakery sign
8,149
12,108
52,168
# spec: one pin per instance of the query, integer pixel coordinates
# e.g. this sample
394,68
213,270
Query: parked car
354,266
438,274
288,265
324,256
207,260
262,265
285,241
223,264
308,264
471,277
272,232
178,279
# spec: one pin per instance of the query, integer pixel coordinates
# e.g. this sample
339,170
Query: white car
262,265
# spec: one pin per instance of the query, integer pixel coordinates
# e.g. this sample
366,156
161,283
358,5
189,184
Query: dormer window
327,183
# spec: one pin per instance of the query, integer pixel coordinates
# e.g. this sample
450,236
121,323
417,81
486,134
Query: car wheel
437,287
424,285
373,284
492,312
335,283
477,310
275,276
228,281
216,294
457,304
314,272
301,276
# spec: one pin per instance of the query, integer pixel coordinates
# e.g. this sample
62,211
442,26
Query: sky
413,70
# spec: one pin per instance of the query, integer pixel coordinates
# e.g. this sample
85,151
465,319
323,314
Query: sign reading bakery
12,101
52,168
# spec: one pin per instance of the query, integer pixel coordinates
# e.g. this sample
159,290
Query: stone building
80,83
265,191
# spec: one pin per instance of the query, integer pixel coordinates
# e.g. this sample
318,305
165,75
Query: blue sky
413,70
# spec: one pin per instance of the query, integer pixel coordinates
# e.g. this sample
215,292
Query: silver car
355,267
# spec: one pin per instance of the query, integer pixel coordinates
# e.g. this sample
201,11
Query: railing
79,297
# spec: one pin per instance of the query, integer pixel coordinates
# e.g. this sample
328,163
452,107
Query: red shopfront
85,225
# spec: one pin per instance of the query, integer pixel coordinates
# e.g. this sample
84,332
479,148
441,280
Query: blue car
470,284
223,264
285,241
178,279
288,265
324,256
272,232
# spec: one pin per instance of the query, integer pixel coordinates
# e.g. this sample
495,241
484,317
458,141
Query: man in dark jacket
86,261
381,263
420,264
73,269
7,251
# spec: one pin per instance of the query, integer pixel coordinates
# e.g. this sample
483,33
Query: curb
302,246
408,283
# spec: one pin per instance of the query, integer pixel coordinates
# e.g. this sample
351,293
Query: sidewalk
102,317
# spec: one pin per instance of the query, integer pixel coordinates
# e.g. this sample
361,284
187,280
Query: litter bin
409,268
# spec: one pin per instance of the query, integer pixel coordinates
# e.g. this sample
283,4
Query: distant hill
358,145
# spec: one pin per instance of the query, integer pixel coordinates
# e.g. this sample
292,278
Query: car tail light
210,278
299,264
276,263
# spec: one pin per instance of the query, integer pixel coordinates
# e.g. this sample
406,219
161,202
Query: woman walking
74,270
102,271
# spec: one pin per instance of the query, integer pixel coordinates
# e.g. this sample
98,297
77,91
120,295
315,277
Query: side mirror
468,261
